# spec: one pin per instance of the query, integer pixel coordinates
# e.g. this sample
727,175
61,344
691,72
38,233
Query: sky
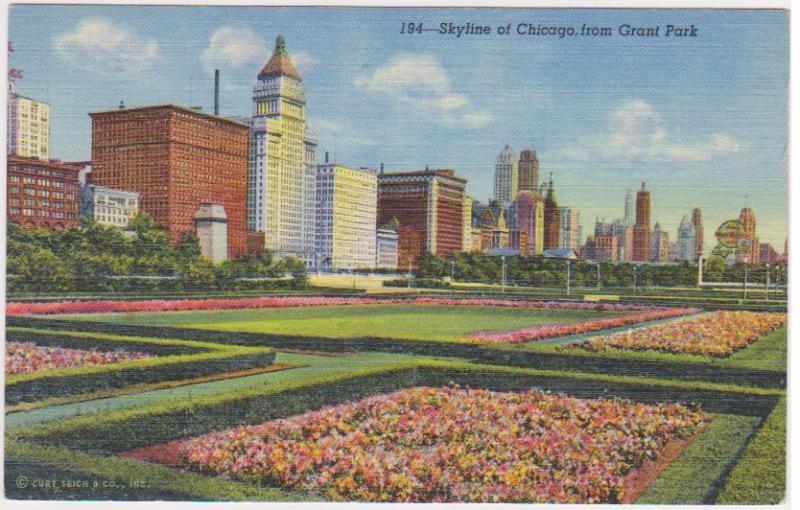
702,120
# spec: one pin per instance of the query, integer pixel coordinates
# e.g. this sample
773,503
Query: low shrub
207,359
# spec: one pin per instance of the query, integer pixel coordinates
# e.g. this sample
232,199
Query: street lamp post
409,273
635,269
569,265
503,274
599,285
452,270
766,285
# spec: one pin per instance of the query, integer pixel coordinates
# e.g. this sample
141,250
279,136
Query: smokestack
216,91
326,156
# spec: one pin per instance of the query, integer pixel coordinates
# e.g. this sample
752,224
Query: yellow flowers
711,334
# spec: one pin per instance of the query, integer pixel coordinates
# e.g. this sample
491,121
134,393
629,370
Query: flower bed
446,444
712,334
62,307
24,357
576,328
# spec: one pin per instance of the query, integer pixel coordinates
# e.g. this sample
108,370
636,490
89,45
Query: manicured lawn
413,322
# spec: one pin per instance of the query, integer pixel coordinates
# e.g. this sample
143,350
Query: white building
687,247
28,126
346,217
281,177
630,208
108,206
211,224
506,177
568,228
466,225
386,249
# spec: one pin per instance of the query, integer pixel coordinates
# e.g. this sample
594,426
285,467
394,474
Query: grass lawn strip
695,477
759,478
308,366
105,418
142,388
209,358
20,456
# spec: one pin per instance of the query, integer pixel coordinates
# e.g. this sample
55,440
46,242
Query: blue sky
702,120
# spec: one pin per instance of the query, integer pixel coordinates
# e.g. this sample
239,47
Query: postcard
393,254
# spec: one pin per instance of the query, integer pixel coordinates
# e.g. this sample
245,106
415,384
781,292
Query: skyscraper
659,244
428,205
528,170
551,218
630,208
506,177
748,218
697,222
641,230
281,178
568,220
28,125
176,159
466,225
687,238
530,219
346,217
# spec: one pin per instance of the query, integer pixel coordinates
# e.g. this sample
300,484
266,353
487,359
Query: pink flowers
576,328
60,307
449,444
27,357
711,334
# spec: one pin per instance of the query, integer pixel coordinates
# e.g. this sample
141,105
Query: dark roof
279,63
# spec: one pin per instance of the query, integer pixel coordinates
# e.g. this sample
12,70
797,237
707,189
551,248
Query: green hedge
545,357
209,358
760,476
122,430
112,432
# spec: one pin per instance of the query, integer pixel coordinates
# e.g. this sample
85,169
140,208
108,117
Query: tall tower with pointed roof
281,180
551,217
506,177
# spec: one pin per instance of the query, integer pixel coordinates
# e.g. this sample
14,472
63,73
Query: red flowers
711,334
60,307
576,328
26,357
450,444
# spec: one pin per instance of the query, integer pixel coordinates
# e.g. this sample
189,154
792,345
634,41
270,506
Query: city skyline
440,98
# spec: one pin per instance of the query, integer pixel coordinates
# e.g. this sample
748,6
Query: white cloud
636,132
233,48
238,47
99,45
422,83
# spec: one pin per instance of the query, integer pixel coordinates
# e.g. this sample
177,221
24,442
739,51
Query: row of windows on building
43,213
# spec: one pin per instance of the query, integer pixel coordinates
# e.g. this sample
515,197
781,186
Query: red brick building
42,193
641,230
428,205
176,159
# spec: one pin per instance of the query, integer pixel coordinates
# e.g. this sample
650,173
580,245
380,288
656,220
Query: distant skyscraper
630,208
687,239
28,125
506,177
528,171
641,230
697,222
551,219
530,219
282,174
659,244
748,218
568,220
624,234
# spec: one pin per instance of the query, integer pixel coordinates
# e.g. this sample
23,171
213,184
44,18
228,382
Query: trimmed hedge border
121,430
113,432
181,359
759,478
478,353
